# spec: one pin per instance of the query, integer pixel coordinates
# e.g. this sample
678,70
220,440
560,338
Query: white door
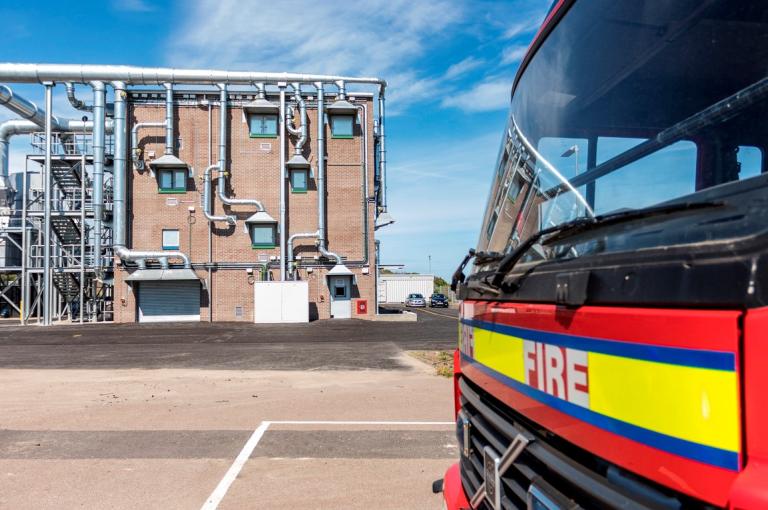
169,301
341,297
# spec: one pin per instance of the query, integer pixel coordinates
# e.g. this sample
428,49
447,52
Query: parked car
438,300
415,300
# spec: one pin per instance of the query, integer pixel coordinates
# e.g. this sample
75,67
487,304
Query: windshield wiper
582,224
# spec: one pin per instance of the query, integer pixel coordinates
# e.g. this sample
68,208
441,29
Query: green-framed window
263,235
170,239
262,125
299,181
342,126
172,180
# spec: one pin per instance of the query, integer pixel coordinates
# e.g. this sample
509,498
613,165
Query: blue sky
450,66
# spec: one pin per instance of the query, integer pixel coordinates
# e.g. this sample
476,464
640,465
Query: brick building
165,208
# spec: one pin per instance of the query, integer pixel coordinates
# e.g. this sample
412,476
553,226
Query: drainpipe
283,260
120,215
206,198
223,121
322,246
99,116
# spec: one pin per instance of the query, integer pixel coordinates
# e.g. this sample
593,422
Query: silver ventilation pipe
261,90
206,198
321,230
25,108
382,153
301,235
74,101
301,132
99,117
48,185
13,127
168,119
223,125
40,73
283,248
120,187
383,218
135,151
119,171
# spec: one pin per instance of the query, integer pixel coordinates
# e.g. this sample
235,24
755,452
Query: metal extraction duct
205,198
298,161
81,73
223,125
25,108
168,160
120,178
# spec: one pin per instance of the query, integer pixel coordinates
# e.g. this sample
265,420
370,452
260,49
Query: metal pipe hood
131,75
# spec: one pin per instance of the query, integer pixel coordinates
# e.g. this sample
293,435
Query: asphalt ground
325,415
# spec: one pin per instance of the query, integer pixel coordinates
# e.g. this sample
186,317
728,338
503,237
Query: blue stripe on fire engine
716,360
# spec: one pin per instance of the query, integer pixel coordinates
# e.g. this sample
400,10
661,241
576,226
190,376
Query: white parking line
221,489
341,422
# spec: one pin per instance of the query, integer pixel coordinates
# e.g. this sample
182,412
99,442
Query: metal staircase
67,284
66,230
66,174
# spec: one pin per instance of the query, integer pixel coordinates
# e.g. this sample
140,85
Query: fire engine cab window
263,126
342,126
622,107
172,180
662,175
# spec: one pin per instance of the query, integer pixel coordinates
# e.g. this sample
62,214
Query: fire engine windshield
629,104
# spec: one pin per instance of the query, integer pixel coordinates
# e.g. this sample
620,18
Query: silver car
415,300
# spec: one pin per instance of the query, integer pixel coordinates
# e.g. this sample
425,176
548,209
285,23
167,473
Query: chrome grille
495,425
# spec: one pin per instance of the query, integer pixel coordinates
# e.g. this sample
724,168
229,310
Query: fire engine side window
751,161
662,175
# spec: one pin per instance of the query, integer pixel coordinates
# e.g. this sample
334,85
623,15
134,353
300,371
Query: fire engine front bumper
453,493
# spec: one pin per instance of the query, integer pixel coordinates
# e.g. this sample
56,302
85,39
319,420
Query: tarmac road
320,345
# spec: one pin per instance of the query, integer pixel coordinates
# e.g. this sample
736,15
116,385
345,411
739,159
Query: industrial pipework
223,125
99,139
206,198
25,108
13,127
321,234
120,191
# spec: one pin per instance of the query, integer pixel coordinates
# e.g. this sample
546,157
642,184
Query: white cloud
524,27
370,37
513,54
483,97
463,67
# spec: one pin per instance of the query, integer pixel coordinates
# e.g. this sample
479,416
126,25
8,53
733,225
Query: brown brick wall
255,173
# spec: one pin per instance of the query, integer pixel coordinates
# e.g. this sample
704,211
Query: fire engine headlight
462,433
